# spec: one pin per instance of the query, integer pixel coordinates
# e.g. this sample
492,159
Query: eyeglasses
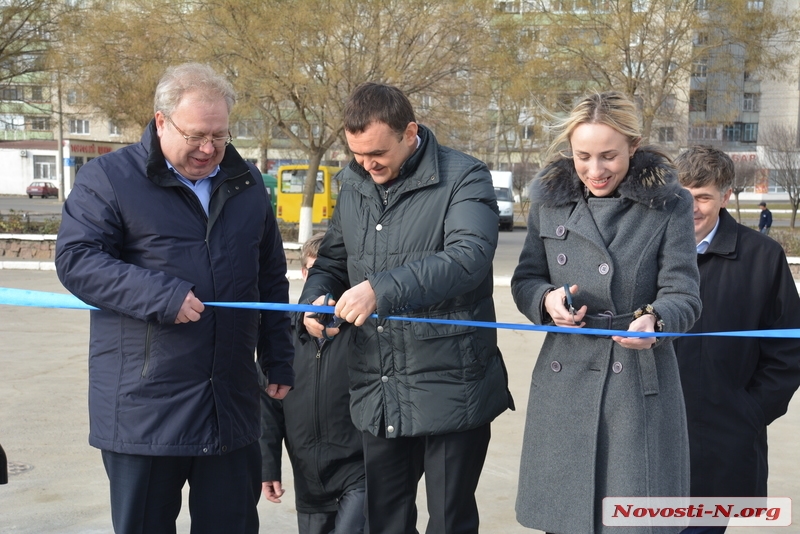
196,140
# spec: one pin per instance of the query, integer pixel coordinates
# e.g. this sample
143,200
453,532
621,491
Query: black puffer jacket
314,420
133,241
426,246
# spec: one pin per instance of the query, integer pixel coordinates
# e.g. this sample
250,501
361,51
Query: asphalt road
38,209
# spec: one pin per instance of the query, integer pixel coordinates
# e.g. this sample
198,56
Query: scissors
570,306
328,320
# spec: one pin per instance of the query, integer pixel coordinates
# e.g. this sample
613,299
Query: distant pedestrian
765,221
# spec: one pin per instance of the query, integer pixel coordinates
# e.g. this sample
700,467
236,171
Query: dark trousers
452,464
146,491
347,519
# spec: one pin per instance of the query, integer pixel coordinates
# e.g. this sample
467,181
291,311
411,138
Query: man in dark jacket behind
734,387
148,234
414,233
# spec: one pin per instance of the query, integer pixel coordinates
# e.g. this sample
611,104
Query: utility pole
60,163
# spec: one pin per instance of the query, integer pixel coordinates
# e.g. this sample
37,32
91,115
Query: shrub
16,222
788,238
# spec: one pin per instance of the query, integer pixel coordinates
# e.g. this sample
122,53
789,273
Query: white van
504,190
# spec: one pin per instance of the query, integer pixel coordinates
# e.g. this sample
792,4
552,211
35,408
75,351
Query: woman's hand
555,305
645,323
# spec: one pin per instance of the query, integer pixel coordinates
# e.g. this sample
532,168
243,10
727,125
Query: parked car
41,189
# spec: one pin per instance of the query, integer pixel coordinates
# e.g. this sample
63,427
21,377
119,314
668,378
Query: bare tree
296,62
649,49
522,175
745,173
112,54
26,31
782,157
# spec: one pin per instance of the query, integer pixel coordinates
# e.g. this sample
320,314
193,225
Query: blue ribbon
42,299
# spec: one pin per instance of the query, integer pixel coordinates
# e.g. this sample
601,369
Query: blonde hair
611,108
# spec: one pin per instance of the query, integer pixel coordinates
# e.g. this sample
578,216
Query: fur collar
651,180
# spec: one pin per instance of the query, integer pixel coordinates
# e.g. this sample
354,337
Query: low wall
43,248
27,247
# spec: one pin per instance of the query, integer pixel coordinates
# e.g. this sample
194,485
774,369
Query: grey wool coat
603,420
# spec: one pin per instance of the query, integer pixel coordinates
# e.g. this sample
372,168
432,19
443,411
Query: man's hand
314,327
190,309
357,304
278,391
272,490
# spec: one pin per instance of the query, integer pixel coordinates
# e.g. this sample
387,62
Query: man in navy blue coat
148,234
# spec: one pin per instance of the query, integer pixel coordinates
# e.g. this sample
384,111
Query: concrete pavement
58,485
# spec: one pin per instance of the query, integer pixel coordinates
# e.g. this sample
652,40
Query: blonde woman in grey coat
605,416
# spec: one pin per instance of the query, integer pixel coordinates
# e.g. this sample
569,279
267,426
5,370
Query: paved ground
61,488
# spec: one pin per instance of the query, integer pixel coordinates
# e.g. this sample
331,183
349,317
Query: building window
700,68
37,93
666,134
247,129
750,102
755,6
79,161
700,39
668,105
508,6
701,5
697,100
75,97
750,132
44,167
703,133
11,93
460,102
40,123
732,132
79,126
278,133
527,132
113,129
425,102
12,122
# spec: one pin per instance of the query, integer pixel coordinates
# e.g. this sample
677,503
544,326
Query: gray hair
181,79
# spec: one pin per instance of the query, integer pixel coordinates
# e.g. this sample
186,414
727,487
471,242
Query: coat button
390,429
205,449
555,366
380,329
384,379
224,448
617,367
379,227
561,259
604,268
560,230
